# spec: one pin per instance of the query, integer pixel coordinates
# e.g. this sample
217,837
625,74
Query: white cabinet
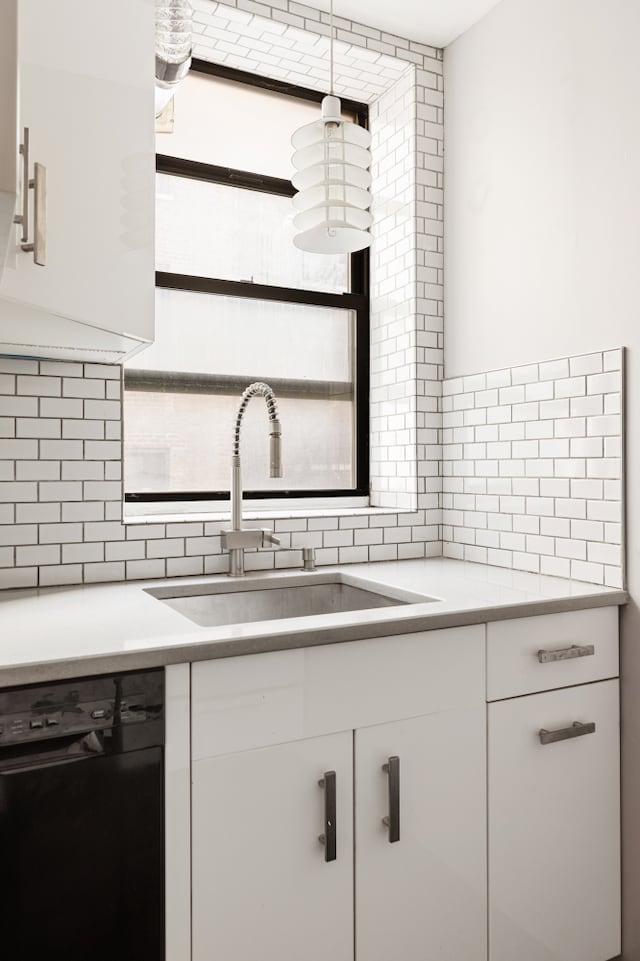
503,840
86,94
423,896
263,735
262,889
553,650
8,122
554,826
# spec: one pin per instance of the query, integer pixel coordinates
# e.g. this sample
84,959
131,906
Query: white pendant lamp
332,161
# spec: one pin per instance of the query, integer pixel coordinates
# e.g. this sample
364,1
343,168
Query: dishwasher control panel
63,708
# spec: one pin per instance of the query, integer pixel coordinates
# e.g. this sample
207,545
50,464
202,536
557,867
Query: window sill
177,513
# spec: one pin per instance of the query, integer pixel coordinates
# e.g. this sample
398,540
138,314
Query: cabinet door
8,122
423,897
86,95
261,887
554,827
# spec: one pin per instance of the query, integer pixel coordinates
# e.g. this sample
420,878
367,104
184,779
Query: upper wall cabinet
84,285
8,123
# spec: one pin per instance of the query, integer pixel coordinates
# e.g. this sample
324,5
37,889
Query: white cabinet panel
513,665
245,702
86,94
8,122
554,828
262,890
177,774
423,896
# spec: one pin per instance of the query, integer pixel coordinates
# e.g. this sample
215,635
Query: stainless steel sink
264,600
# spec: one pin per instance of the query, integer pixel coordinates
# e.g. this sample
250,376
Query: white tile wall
533,468
61,497
60,424
290,41
403,83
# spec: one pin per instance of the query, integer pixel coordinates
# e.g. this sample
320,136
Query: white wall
542,225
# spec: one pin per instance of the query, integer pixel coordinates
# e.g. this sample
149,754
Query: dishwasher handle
60,750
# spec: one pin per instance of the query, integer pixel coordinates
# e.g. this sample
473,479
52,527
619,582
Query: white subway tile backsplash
33,556
60,533
585,364
83,387
61,450
12,578
556,451
36,427
18,492
604,426
613,360
40,386
82,553
12,534
54,407
59,574
15,449
102,410
572,548
608,383
554,370
37,513
94,573
63,491
583,571
84,511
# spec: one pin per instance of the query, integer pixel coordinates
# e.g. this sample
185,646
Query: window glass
212,230
182,393
182,442
235,125
205,333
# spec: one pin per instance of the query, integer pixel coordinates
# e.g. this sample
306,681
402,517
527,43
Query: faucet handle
268,537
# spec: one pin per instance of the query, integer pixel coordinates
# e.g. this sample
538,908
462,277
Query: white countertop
73,631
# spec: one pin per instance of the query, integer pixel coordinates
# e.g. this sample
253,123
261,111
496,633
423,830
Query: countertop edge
39,672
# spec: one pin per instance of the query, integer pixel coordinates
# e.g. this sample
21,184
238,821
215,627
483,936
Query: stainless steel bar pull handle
38,183
392,820
577,729
39,186
566,653
328,839
23,218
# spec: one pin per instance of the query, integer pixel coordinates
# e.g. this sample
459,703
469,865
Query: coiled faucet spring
259,389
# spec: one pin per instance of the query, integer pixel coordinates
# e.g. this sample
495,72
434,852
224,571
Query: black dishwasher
82,819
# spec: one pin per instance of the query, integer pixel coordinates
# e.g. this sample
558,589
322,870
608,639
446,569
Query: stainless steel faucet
238,539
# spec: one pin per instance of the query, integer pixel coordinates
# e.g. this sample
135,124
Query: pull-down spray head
275,450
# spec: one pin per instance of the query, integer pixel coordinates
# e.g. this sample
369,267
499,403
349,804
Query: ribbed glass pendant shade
174,22
332,161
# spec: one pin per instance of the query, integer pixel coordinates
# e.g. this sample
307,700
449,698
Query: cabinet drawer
554,826
532,654
241,703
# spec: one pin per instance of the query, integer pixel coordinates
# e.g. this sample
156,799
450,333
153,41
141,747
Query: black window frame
356,300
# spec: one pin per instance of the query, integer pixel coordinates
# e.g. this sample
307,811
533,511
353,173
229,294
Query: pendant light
174,23
332,160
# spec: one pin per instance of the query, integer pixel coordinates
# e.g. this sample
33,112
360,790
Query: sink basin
212,605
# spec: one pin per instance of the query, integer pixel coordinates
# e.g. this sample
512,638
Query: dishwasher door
81,855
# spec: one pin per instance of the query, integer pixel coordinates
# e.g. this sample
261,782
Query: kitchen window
237,302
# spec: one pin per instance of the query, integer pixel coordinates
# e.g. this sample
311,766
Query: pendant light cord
331,44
